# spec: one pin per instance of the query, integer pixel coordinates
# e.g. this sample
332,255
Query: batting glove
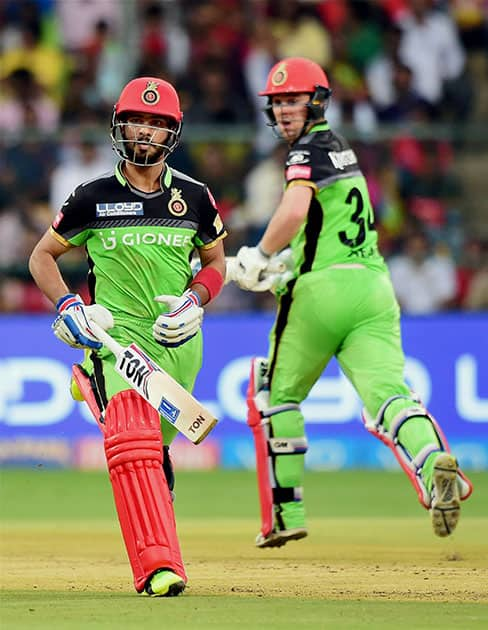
250,263
182,322
72,326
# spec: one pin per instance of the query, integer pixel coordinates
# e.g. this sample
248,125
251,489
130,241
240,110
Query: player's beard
149,155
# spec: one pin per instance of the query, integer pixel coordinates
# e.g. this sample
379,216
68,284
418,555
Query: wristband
211,279
66,301
194,297
262,252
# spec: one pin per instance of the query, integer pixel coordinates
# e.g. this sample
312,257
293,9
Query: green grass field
370,560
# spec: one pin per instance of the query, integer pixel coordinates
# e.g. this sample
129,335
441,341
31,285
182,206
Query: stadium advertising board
447,365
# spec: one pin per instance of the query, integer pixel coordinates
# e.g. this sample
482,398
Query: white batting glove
72,327
250,263
182,322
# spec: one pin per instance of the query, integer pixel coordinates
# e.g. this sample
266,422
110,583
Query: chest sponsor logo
111,240
298,157
298,172
177,205
341,159
120,209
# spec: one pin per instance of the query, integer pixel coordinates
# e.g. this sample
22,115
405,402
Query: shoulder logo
341,159
150,96
57,219
280,75
298,157
218,225
176,204
297,171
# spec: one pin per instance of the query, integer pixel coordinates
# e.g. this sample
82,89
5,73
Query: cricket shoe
445,507
289,525
278,538
165,583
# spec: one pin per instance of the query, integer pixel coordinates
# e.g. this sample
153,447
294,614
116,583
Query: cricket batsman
139,226
340,302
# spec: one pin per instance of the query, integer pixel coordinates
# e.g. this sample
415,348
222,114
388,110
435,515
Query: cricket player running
339,303
139,225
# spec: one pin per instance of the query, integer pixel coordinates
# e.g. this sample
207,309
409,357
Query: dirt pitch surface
349,558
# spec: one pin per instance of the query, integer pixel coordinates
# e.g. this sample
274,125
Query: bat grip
105,338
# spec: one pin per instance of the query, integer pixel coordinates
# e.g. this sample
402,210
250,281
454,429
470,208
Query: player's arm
288,217
72,323
284,224
44,267
213,260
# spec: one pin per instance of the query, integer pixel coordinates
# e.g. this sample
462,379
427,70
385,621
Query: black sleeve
211,226
73,217
320,163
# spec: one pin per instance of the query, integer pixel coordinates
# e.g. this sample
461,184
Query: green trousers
351,314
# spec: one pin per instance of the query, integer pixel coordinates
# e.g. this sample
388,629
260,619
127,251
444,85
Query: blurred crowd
401,71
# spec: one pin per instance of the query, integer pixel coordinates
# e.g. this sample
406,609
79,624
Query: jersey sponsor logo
341,159
120,209
298,172
177,205
298,157
57,219
133,239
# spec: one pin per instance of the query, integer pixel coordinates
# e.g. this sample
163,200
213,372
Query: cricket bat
160,390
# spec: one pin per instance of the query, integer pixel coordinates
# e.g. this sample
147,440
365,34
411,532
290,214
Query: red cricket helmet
293,76
296,75
146,95
149,95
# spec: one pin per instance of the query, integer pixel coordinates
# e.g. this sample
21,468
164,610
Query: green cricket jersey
340,223
138,244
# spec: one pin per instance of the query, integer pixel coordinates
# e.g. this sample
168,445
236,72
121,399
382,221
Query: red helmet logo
150,96
294,75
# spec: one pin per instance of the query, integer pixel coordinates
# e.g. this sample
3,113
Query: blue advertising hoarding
446,364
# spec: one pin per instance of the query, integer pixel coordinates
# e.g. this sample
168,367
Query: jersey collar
321,126
165,180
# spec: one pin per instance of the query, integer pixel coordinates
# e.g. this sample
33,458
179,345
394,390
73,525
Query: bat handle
105,338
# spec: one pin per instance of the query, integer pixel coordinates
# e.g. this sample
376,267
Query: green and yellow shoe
165,583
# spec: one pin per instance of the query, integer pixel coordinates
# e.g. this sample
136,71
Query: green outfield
370,561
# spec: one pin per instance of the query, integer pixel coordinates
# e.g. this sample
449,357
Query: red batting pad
134,451
254,420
